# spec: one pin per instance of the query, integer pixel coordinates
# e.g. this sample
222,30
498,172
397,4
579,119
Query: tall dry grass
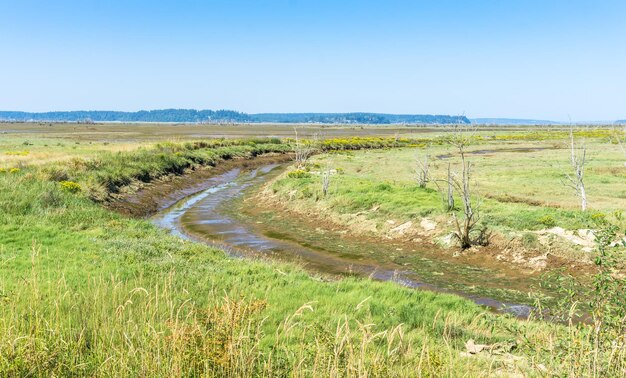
113,327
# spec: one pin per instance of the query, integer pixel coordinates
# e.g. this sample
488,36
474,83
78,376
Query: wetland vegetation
85,290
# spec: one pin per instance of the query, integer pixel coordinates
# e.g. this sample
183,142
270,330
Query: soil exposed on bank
146,199
501,255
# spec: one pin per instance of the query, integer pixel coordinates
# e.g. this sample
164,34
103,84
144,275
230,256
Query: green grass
84,290
87,292
519,190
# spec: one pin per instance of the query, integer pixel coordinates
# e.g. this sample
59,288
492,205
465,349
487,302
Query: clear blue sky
543,59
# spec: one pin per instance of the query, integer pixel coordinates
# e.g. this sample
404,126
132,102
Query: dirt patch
507,198
583,238
142,200
610,171
499,150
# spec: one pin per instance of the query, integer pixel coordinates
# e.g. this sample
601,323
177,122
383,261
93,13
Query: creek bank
145,199
359,255
214,217
505,253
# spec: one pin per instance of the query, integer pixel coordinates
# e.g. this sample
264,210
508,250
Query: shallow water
210,216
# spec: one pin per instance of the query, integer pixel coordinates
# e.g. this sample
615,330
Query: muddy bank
227,216
145,199
511,264
224,206
495,151
215,216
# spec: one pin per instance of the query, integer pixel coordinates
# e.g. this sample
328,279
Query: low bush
70,186
298,174
530,240
547,220
56,173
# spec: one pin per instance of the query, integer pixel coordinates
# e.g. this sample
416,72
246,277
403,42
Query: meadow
519,182
85,291
530,221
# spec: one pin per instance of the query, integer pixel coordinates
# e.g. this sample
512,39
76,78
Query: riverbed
221,214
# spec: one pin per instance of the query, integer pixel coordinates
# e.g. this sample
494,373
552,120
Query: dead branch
304,149
462,183
326,180
423,171
575,180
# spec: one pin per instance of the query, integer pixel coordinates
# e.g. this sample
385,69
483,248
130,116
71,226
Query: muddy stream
217,215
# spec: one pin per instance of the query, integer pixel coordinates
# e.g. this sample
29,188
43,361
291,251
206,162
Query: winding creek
213,215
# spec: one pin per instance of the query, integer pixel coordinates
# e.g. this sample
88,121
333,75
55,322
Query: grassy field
151,132
519,183
85,291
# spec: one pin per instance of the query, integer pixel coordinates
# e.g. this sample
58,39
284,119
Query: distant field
144,132
528,173
42,142
511,167
133,132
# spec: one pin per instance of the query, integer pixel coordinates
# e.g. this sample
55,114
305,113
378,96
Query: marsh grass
111,328
520,187
86,292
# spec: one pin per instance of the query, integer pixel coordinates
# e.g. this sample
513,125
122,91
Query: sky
548,59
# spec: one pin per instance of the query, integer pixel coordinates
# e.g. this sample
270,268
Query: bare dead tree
325,181
465,226
450,193
423,171
462,183
303,149
578,159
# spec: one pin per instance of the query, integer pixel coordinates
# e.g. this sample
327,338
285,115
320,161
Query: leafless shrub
303,149
462,183
460,137
575,180
325,181
423,168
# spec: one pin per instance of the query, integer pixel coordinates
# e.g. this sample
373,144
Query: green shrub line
107,173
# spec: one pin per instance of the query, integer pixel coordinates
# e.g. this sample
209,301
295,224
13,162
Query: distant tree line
370,118
163,115
219,116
